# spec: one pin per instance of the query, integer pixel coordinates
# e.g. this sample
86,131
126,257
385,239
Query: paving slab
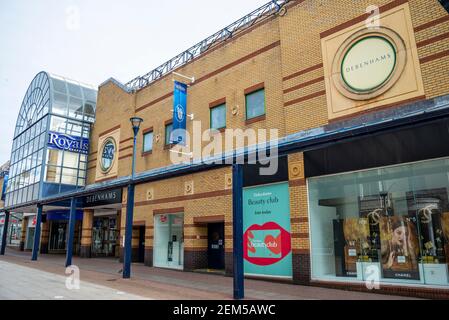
102,278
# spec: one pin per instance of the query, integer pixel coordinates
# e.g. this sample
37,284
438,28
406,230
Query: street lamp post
135,122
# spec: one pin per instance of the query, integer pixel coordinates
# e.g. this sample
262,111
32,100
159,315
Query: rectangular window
148,141
218,117
393,221
255,104
168,134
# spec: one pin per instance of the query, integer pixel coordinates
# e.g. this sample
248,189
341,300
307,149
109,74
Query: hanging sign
179,114
66,142
5,184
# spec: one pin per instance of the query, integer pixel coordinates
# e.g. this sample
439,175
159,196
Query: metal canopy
258,15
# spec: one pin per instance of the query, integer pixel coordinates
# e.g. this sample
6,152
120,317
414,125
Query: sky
93,40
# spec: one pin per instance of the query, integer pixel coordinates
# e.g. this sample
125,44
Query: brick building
360,101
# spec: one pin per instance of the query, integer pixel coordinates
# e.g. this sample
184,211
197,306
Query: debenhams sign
369,63
103,198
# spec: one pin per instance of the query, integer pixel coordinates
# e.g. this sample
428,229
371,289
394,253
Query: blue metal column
4,234
37,233
237,207
128,232
72,220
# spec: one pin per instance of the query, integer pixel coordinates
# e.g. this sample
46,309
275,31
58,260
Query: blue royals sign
65,142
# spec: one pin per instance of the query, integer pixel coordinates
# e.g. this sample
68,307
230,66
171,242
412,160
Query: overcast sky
93,40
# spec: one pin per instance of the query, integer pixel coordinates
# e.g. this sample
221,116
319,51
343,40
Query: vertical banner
179,114
5,185
266,225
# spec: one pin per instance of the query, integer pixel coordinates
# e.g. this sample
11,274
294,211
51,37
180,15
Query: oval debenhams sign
368,63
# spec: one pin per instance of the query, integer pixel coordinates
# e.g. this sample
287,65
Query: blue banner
60,141
179,114
5,184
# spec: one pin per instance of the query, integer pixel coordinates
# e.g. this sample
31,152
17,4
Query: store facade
386,220
361,190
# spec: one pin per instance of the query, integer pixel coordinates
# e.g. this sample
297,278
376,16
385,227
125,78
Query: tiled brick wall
284,53
195,259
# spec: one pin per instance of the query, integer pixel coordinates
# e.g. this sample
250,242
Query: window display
169,241
104,236
394,219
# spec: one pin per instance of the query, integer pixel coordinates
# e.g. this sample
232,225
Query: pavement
100,279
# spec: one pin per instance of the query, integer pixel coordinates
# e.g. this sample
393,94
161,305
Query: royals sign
65,142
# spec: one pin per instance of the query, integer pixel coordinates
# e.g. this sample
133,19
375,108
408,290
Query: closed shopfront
169,241
388,222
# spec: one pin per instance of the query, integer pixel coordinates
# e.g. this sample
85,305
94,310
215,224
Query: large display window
390,224
169,241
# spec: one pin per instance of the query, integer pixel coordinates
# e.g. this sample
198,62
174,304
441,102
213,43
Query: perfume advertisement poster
399,248
356,233
445,227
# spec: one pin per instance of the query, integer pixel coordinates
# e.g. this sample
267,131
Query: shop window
169,241
255,104
218,117
148,142
389,224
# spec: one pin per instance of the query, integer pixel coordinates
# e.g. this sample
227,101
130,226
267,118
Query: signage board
103,198
368,64
108,152
60,141
266,225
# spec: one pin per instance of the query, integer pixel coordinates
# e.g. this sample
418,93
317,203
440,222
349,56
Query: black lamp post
135,122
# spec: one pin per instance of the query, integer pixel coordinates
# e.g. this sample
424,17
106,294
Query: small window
218,117
148,141
255,104
168,134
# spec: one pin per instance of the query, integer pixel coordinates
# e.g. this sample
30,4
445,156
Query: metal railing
258,15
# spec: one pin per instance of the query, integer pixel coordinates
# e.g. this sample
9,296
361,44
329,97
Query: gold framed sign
369,67
369,63
108,155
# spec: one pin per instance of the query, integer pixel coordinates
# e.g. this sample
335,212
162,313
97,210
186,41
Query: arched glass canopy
55,106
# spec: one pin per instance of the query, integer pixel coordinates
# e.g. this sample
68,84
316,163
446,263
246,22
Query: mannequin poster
399,248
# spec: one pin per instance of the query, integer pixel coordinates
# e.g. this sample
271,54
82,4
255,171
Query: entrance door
141,244
58,235
30,239
215,250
